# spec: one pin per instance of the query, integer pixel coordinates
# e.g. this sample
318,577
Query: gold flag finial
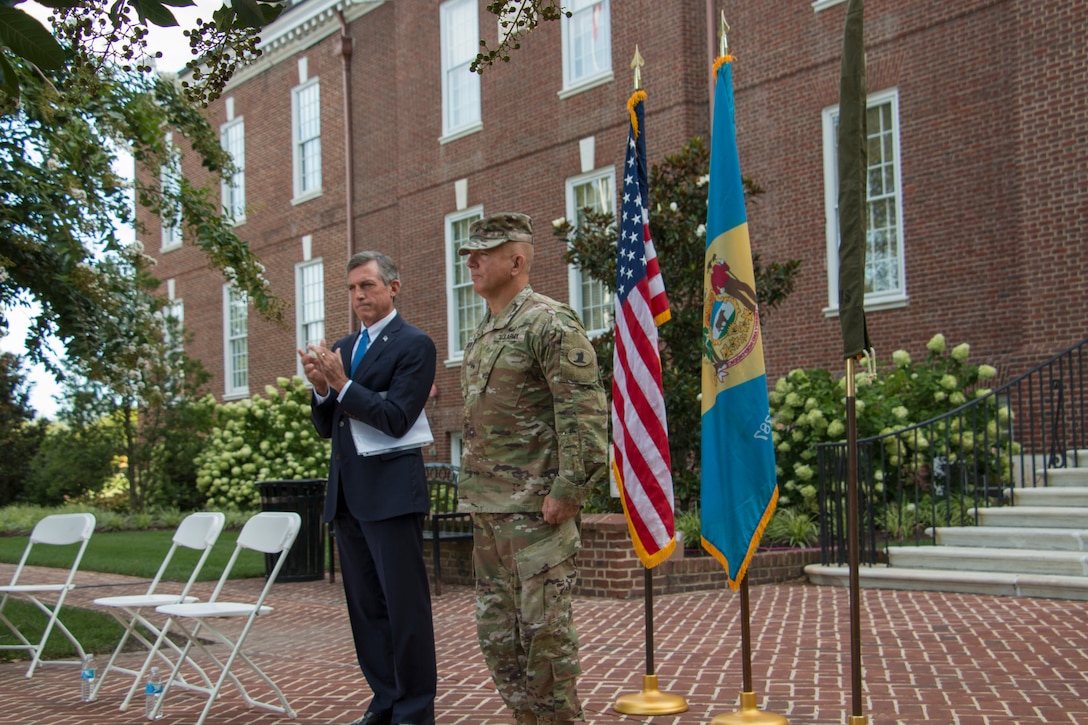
723,37
636,64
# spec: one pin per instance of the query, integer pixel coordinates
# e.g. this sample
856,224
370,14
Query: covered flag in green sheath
852,160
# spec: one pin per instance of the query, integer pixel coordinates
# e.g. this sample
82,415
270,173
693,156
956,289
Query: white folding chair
200,623
54,530
199,532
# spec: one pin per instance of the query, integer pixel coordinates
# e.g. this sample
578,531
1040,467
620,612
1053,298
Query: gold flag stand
748,714
651,701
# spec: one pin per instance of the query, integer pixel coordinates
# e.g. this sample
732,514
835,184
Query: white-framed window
173,314
456,447
460,87
885,258
595,303
587,43
306,135
170,184
465,307
232,137
309,303
235,342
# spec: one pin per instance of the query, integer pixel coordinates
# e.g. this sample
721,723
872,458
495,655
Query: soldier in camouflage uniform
535,443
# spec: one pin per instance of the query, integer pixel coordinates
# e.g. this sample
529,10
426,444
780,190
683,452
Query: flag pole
650,701
852,156
852,543
749,712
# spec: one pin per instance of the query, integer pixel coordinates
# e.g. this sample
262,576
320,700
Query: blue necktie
360,350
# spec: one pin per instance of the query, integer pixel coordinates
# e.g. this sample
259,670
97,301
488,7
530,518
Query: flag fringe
648,560
636,98
662,318
734,584
722,60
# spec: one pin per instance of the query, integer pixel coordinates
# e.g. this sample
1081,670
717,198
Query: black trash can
306,497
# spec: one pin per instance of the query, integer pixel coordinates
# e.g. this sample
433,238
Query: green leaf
179,3
9,83
271,11
28,39
249,13
153,12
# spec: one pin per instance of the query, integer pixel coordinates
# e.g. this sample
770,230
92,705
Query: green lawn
138,553
132,553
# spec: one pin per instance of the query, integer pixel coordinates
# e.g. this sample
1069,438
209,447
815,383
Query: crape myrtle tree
64,208
94,33
678,206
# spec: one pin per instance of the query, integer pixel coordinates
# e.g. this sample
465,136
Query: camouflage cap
490,232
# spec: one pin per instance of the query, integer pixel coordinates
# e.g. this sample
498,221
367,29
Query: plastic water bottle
153,693
86,679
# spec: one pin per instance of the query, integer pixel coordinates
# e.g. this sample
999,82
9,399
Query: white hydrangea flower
936,343
961,352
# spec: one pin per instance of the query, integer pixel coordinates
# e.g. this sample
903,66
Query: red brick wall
993,101
609,567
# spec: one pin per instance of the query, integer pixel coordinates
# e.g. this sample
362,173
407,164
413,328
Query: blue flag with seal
739,486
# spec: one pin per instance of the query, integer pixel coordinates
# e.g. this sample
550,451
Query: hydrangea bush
808,408
261,439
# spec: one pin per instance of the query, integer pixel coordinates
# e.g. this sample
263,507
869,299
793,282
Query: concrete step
967,558
1062,477
1063,496
1046,586
1012,537
1045,517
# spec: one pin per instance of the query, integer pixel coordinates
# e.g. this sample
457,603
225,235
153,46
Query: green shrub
690,524
791,527
808,408
260,439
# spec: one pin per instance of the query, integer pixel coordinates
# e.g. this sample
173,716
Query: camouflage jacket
535,411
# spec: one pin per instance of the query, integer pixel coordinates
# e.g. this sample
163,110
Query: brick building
979,167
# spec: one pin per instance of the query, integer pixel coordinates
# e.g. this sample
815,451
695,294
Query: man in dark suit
376,502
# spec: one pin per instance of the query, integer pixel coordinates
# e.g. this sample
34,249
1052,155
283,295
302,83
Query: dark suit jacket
401,363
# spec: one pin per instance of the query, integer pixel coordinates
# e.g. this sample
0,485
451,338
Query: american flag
640,439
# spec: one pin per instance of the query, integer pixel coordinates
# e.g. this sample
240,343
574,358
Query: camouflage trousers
525,570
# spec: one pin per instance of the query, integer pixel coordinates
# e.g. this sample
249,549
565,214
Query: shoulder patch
579,357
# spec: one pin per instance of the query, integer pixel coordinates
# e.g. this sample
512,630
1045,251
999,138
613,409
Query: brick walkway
929,658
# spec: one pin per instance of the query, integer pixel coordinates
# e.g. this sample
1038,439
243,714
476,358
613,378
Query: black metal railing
942,471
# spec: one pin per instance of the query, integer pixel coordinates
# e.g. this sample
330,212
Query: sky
175,49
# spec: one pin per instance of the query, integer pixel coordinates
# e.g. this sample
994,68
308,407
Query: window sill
453,363
818,5
461,133
885,304
171,247
236,394
586,85
309,195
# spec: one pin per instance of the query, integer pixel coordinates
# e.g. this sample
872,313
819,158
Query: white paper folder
369,441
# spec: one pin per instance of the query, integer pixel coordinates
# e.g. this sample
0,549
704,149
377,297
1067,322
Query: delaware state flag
739,487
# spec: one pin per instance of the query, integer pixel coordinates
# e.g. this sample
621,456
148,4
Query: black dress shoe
374,718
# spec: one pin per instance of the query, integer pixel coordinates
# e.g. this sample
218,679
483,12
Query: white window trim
873,301
583,84
172,237
454,356
225,184
448,133
574,275
296,162
300,339
819,5
229,391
